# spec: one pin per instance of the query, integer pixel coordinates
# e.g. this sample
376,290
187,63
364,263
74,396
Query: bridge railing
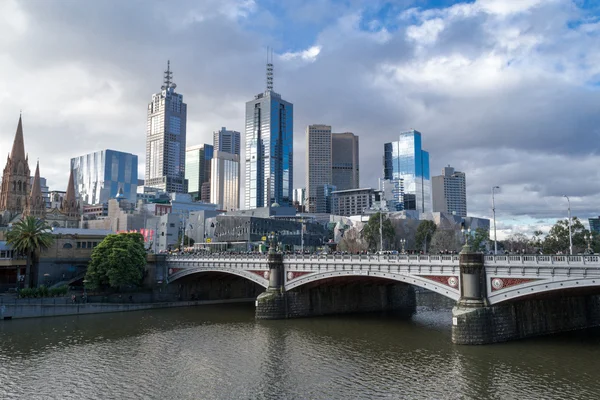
533,259
395,258
216,257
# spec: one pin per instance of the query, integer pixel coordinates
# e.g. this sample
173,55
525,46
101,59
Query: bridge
476,282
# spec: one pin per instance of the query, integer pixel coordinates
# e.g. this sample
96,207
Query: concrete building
166,139
225,180
449,192
345,169
269,151
227,141
318,162
197,170
99,176
405,159
353,201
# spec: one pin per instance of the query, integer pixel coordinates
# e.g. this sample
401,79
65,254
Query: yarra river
221,352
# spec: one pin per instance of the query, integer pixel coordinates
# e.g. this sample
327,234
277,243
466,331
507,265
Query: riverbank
17,310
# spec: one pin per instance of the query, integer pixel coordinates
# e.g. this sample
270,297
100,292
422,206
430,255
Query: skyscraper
227,141
166,139
449,192
405,159
318,162
99,176
197,170
344,161
225,180
269,148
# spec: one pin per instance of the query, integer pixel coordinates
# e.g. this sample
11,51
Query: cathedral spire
70,206
36,206
18,149
70,195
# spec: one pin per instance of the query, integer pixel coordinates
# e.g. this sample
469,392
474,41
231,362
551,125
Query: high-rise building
391,192
325,199
344,161
594,224
166,139
225,180
353,201
405,159
299,196
99,176
197,170
269,149
318,162
449,192
227,141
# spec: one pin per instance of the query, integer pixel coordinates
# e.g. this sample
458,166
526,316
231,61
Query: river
221,352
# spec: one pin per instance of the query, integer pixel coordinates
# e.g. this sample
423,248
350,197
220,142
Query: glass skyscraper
197,169
269,149
227,141
225,180
166,139
405,159
99,176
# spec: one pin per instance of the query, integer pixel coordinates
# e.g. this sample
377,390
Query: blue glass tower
405,159
269,149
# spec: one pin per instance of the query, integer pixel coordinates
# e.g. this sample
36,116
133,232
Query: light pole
380,231
402,242
494,216
588,239
570,236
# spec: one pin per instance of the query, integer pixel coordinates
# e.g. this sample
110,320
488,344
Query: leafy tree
479,240
557,239
371,231
444,240
28,236
352,242
424,235
517,242
187,241
118,260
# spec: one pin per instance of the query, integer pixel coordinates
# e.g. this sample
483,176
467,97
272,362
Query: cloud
507,92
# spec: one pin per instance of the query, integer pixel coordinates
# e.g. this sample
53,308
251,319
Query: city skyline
504,120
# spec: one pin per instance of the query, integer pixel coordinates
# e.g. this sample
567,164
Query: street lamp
402,243
589,239
494,216
466,233
380,230
272,237
570,236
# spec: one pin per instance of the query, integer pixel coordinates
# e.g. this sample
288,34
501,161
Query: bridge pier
272,304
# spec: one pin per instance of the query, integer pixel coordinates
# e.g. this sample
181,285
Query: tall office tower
269,148
225,180
391,193
594,224
299,196
405,159
165,139
227,141
344,161
197,170
99,176
449,192
318,162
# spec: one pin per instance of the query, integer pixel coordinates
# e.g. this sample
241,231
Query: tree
118,260
557,239
28,236
187,241
424,235
444,240
371,231
352,242
517,242
479,239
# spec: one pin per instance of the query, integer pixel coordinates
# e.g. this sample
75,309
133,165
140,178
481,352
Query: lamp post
494,216
588,239
380,230
570,236
402,243
466,233
272,237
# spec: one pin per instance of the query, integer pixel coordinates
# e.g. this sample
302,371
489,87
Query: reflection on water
221,352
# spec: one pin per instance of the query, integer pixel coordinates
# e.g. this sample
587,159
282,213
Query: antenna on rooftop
168,78
269,70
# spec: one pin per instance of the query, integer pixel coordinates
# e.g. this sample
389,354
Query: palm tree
28,236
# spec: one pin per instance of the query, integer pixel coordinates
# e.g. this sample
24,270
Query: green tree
118,260
28,236
557,239
371,232
444,240
479,239
424,235
187,241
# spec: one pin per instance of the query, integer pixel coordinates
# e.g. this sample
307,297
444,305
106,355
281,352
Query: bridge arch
415,280
542,286
260,280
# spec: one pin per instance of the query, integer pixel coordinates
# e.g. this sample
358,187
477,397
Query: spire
168,83
269,70
70,195
36,205
69,206
18,149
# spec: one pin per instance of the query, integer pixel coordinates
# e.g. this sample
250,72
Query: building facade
99,176
449,192
318,162
352,201
405,159
391,194
344,161
197,170
325,199
594,224
269,146
166,139
227,141
225,180
15,179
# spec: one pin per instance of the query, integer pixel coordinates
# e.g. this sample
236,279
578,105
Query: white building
449,192
353,201
225,180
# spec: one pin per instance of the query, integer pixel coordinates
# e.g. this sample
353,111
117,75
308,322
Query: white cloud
309,54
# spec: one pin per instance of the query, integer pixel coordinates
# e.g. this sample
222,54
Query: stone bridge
484,287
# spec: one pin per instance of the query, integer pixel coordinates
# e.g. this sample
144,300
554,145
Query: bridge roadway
507,277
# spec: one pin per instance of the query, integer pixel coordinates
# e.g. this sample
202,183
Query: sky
507,91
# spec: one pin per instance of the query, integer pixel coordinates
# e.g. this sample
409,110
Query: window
78,245
68,246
